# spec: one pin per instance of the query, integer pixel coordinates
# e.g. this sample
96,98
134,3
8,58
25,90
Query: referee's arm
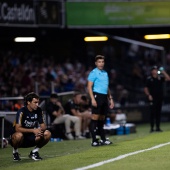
110,99
90,91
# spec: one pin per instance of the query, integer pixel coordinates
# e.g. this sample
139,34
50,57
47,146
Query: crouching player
29,128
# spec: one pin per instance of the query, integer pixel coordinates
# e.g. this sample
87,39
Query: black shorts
28,141
102,104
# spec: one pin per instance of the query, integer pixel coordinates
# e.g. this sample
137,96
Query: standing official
98,88
154,92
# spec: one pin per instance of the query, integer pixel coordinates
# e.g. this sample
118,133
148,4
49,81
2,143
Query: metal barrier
2,117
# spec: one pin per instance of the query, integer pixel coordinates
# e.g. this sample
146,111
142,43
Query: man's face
54,100
100,64
154,72
33,105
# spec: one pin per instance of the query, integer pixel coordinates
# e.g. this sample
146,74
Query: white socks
36,149
15,150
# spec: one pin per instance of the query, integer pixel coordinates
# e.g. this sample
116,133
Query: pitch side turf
138,151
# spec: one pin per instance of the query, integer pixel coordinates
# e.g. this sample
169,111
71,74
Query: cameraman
154,92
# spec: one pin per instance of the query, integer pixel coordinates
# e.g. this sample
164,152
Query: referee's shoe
96,143
105,142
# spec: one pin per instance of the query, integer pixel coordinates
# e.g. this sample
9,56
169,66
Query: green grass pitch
67,155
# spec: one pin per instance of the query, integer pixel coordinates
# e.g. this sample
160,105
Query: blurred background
58,59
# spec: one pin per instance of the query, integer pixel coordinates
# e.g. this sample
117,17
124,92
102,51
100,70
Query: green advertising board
115,14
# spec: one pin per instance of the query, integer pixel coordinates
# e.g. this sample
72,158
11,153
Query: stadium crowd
22,71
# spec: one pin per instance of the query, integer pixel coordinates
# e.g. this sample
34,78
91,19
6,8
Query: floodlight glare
157,36
97,38
25,39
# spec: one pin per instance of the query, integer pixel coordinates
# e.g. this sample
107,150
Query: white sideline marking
121,157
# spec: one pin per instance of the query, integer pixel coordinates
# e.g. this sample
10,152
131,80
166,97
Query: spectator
76,107
122,94
18,105
57,115
137,76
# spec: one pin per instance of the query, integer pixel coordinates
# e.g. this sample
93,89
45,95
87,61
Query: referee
98,89
154,92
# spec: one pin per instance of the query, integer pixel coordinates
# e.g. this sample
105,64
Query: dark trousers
155,114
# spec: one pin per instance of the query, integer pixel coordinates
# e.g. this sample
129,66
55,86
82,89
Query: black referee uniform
155,88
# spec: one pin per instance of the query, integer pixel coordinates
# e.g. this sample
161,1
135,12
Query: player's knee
47,134
18,136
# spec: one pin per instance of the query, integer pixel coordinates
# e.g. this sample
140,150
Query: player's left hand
40,133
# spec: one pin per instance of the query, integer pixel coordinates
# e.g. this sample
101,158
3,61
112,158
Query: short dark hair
30,96
99,57
54,95
154,67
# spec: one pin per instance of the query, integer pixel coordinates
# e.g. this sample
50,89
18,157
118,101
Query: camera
160,70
